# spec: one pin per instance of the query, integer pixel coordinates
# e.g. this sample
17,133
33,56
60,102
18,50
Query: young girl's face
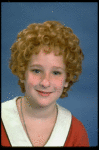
45,78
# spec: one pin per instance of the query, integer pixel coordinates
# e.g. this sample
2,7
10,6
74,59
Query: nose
45,81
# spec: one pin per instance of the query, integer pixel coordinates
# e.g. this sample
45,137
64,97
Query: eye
56,72
36,70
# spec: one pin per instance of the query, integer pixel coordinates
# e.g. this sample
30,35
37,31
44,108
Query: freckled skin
45,80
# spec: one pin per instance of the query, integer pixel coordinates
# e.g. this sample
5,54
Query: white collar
17,135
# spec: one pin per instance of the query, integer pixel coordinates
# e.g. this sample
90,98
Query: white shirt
17,135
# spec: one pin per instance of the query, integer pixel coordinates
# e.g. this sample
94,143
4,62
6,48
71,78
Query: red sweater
77,136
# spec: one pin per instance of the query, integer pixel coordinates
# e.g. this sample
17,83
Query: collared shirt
68,131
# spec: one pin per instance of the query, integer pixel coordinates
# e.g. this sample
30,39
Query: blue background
82,18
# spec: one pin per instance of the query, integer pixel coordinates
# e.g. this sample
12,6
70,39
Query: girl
47,59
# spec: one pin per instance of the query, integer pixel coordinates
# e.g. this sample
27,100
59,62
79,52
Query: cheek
59,84
32,81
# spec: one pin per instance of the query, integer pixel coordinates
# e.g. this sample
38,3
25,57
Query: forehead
48,49
47,55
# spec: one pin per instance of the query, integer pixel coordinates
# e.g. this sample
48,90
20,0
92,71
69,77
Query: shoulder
77,134
63,111
78,128
77,124
8,108
64,117
9,104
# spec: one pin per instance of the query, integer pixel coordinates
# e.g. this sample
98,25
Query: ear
66,84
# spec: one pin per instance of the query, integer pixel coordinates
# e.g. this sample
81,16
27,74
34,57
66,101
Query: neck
35,111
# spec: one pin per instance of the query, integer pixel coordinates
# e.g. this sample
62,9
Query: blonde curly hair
50,33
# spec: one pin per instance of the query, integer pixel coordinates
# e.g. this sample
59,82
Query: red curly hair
51,33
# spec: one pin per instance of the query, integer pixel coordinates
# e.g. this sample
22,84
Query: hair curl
51,33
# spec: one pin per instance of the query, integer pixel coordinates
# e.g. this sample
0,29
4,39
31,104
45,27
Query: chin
39,99
44,102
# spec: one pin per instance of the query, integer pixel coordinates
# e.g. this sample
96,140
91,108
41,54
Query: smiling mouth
44,93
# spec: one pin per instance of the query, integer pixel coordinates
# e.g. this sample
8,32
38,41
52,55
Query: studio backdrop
82,18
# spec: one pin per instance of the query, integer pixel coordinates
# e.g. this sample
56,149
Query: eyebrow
36,65
55,67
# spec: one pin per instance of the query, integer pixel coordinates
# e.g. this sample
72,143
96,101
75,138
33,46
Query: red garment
4,139
77,136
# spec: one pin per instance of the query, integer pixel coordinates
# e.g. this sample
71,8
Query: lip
43,93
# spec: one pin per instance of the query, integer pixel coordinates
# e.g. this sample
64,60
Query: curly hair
50,33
